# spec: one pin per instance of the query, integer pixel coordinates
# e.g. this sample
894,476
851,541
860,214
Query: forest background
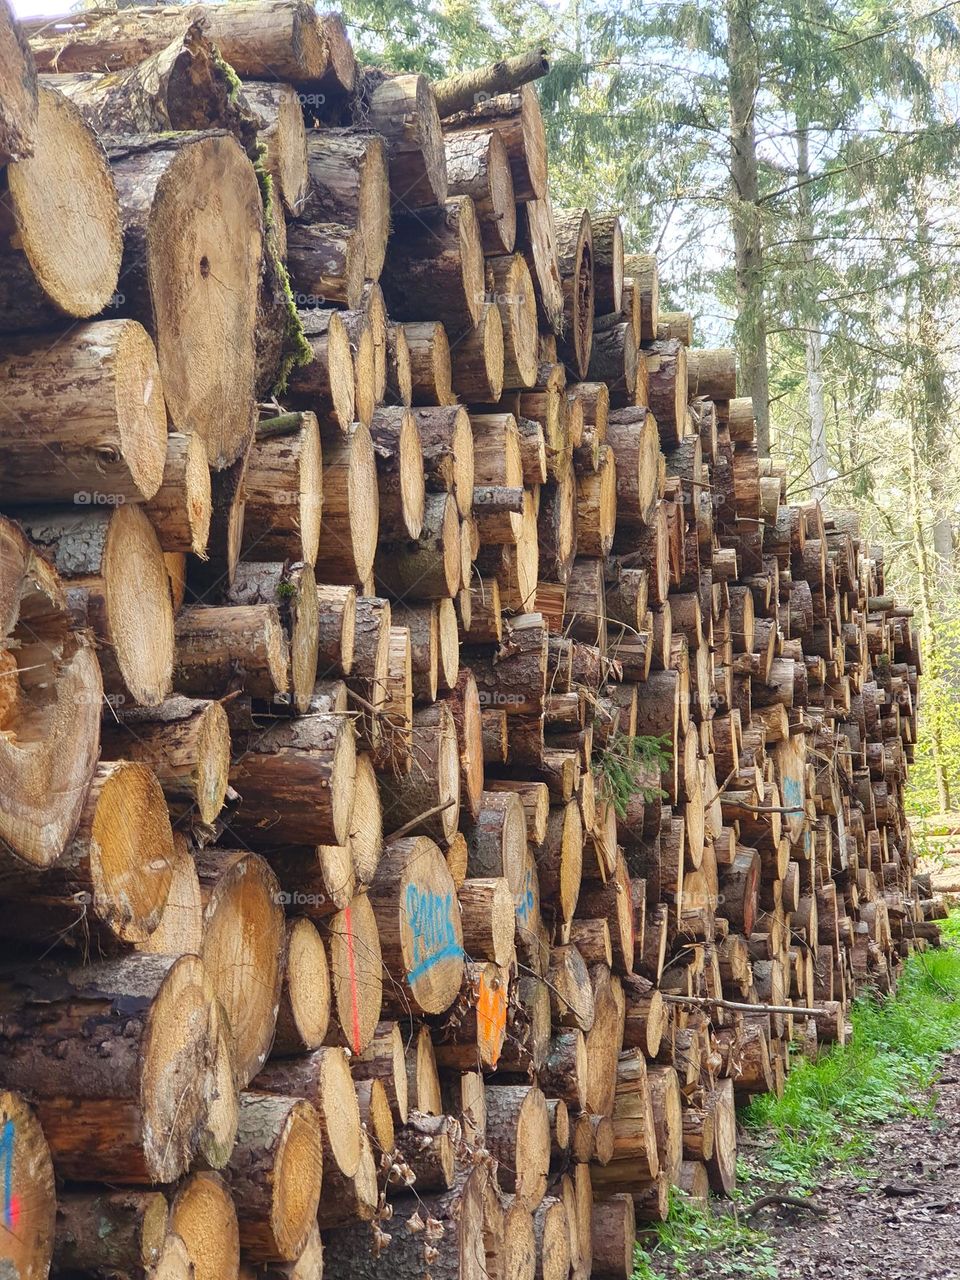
795,167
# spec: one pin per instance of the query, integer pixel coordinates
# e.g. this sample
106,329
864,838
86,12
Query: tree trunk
744,79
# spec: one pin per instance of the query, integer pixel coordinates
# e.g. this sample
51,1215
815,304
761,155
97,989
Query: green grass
717,1244
824,1117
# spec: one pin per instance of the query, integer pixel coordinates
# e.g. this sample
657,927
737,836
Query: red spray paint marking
354,999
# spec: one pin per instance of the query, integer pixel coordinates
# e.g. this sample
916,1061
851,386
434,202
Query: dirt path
901,1222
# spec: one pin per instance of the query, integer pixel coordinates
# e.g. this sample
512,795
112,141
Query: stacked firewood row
442,774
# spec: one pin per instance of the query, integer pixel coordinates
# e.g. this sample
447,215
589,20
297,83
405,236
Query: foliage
627,767
939,720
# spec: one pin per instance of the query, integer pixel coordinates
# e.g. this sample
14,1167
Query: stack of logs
441,775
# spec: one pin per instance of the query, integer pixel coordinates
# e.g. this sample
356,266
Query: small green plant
698,1239
286,590
628,766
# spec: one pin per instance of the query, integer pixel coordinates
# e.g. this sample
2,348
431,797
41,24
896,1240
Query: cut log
124,1231
510,287
351,509
282,134
304,1013
447,443
421,933
518,1137
182,507
220,650
400,480
575,257
284,490
356,971
430,370
326,384
120,590
349,184
608,263
30,1199
478,167
167,1095
61,250
112,881
640,272
711,374
477,359
242,950
18,109
434,267
404,111
326,262
275,1175
614,1237
205,187
461,92
296,780
204,1216
82,418
270,39
552,1237
536,240
51,709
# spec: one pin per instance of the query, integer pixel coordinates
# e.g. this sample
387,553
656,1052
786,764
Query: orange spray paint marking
491,1021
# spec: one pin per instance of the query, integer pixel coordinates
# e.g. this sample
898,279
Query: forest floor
896,1216
867,1138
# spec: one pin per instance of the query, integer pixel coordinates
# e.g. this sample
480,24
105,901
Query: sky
34,8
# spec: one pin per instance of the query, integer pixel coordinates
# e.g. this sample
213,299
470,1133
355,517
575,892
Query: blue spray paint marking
792,793
430,916
525,901
6,1156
